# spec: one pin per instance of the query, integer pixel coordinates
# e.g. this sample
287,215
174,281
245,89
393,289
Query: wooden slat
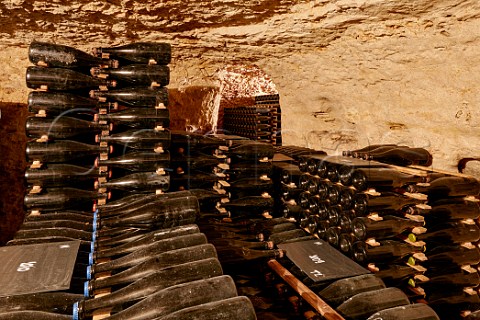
457,174
308,295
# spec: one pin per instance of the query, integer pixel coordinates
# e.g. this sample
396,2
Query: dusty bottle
207,199
51,199
188,142
130,234
142,288
82,226
387,251
266,232
387,202
381,179
138,182
136,202
196,180
453,208
249,206
449,186
139,52
58,231
55,55
142,161
183,164
61,127
138,117
58,175
33,315
132,274
60,79
343,289
56,302
371,147
452,232
345,243
79,216
402,156
56,103
242,170
150,139
250,187
169,299
395,275
175,212
239,308
62,151
176,238
465,254
233,255
416,311
364,304
388,227
167,258
251,151
134,97
452,276
136,75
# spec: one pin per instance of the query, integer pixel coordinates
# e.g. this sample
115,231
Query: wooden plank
456,174
308,295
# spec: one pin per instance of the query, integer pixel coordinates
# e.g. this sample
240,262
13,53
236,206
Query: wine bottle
166,258
35,225
142,270
136,202
266,232
465,254
341,290
58,231
382,179
134,97
59,175
453,208
196,180
402,156
288,173
158,140
139,52
144,287
56,302
142,161
241,170
449,186
388,227
177,211
396,275
62,151
138,118
236,255
170,299
452,232
79,216
62,127
187,164
363,305
207,199
249,187
60,79
136,75
130,234
280,237
452,276
332,236
388,251
249,206
56,103
371,147
416,311
345,243
51,199
250,151
138,182
55,55
33,315
239,308
170,243
188,142
386,203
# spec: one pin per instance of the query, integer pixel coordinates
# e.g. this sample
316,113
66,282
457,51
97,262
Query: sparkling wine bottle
416,311
139,52
59,175
62,151
136,75
138,182
60,79
134,97
138,118
62,127
144,139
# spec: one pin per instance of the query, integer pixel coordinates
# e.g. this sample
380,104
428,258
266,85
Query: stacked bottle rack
145,255
261,122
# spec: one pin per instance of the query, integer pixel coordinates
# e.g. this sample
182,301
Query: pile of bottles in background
99,170
261,122
161,215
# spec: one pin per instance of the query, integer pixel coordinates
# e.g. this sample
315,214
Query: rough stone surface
349,72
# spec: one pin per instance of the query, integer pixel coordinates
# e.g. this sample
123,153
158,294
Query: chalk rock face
349,72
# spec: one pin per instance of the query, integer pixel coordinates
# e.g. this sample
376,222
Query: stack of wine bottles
392,154
261,122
